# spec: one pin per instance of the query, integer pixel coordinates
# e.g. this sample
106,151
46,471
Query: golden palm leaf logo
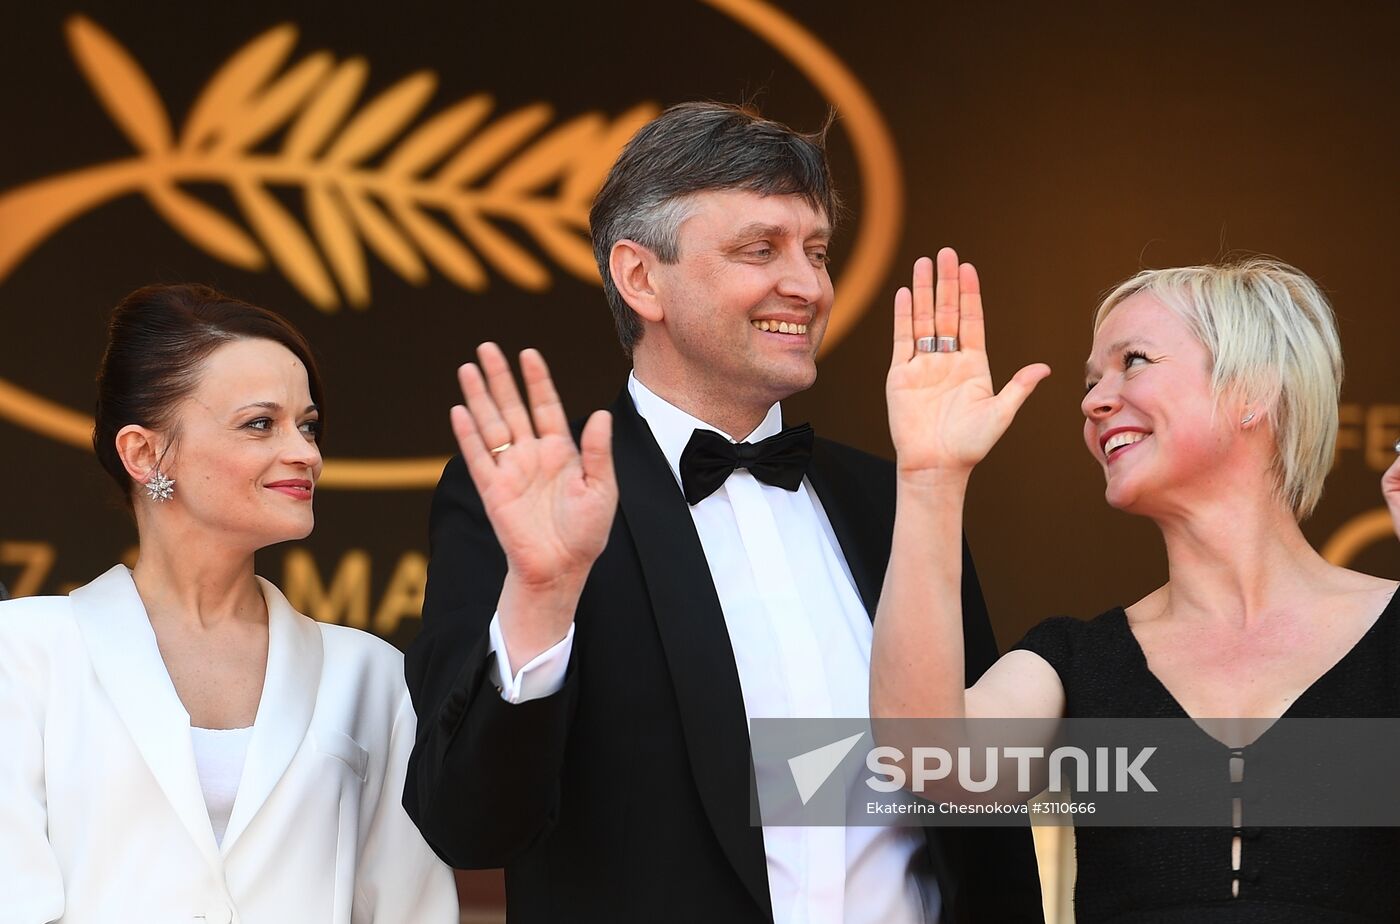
458,171
458,193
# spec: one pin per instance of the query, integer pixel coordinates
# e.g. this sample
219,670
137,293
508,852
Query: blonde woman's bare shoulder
1150,607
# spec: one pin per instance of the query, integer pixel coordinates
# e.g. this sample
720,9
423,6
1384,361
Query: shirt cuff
543,676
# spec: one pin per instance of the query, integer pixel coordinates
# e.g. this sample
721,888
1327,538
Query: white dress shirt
801,639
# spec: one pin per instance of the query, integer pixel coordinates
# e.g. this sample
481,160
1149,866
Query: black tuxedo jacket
625,796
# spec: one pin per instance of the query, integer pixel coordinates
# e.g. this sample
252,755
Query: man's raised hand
551,503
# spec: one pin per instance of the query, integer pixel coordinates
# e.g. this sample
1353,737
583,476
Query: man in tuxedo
584,681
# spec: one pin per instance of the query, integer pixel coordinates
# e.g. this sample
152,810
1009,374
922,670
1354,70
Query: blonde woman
1211,406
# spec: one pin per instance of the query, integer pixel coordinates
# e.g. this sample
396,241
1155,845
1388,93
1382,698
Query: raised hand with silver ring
944,414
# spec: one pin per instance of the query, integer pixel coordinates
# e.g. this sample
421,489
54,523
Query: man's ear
632,265
139,449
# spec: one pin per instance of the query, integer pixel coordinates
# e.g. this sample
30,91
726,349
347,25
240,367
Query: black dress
1170,875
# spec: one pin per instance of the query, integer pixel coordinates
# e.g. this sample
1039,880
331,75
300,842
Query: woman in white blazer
179,744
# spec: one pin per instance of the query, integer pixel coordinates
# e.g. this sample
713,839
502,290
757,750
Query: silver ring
501,448
1397,447
936,344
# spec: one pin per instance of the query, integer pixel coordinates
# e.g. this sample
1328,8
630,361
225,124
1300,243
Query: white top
801,639
102,817
218,757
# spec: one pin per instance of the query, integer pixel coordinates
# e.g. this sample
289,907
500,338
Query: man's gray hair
692,148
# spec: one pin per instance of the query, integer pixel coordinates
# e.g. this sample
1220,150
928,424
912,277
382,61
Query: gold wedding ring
496,451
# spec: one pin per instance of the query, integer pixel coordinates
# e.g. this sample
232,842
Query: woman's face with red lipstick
245,460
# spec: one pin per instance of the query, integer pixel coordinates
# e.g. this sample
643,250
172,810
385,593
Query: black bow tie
709,458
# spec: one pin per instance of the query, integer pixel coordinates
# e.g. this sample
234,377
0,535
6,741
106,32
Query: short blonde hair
1272,338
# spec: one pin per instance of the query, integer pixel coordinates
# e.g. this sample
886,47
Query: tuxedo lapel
284,711
693,634
126,659
853,501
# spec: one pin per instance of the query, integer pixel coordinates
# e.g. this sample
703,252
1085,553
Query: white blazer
101,814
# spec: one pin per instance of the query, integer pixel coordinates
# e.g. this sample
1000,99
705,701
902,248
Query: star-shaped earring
160,488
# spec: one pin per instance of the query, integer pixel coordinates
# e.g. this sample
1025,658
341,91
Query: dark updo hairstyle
158,338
